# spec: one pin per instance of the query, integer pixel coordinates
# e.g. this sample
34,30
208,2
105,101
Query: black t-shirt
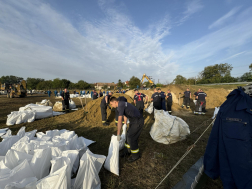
101,94
128,110
196,94
202,96
162,95
187,94
156,97
66,96
169,99
122,98
104,101
95,95
139,97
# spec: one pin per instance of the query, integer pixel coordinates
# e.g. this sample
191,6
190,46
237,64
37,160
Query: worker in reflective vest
127,110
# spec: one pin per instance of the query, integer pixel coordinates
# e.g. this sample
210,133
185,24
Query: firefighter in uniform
95,95
169,101
120,98
65,100
127,110
100,93
162,98
157,100
138,100
201,101
187,98
104,105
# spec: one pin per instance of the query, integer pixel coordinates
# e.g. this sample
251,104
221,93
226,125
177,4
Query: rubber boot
134,157
125,152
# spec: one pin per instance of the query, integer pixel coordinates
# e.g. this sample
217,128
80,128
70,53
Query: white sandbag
216,110
58,163
3,131
7,143
4,170
112,161
2,158
88,142
168,129
195,102
90,166
20,145
13,158
58,113
67,135
21,132
123,137
12,118
53,133
40,162
56,152
41,111
27,183
150,108
55,180
17,174
26,116
31,134
73,155
7,134
40,134
72,104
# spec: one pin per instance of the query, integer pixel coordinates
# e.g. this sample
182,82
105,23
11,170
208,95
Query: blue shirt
128,110
229,150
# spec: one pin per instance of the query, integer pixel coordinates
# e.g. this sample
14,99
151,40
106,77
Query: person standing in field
187,97
201,102
138,100
104,104
162,98
95,95
100,93
65,100
127,110
169,101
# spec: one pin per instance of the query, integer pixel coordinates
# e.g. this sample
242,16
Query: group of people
160,100
200,98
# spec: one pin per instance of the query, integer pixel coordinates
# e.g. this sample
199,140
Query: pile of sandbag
29,113
167,129
45,103
48,161
58,106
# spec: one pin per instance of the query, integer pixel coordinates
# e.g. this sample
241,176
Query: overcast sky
107,40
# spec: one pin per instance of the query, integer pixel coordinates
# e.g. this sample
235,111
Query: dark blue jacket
229,150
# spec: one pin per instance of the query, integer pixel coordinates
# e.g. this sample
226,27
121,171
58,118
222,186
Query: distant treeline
41,84
218,73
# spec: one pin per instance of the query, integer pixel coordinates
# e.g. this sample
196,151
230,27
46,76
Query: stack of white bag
86,96
167,129
74,95
29,113
48,161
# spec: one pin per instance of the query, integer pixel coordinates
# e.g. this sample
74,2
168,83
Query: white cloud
224,18
36,41
192,7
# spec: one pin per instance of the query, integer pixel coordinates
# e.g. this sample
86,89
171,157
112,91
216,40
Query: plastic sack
12,118
7,143
17,174
53,133
90,166
150,108
21,132
58,163
168,129
31,134
7,134
123,137
27,183
13,158
4,170
41,162
55,180
72,104
112,161
41,111
216,110
3,131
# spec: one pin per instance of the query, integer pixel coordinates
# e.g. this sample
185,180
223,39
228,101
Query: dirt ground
157,159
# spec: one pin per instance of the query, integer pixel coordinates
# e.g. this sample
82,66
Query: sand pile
94,110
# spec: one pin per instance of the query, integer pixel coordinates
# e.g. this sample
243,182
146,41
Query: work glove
118,138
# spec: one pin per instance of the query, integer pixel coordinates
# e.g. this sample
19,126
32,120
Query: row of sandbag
29,160
29,113
51,159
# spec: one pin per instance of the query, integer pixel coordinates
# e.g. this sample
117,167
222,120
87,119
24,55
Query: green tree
246,77
217,73
83,85
179,80
57,83
134,82
120,84
147,84
11,79
33,82
65,83
250,67
105,87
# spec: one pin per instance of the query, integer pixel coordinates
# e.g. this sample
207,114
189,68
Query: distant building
99,86
126,83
